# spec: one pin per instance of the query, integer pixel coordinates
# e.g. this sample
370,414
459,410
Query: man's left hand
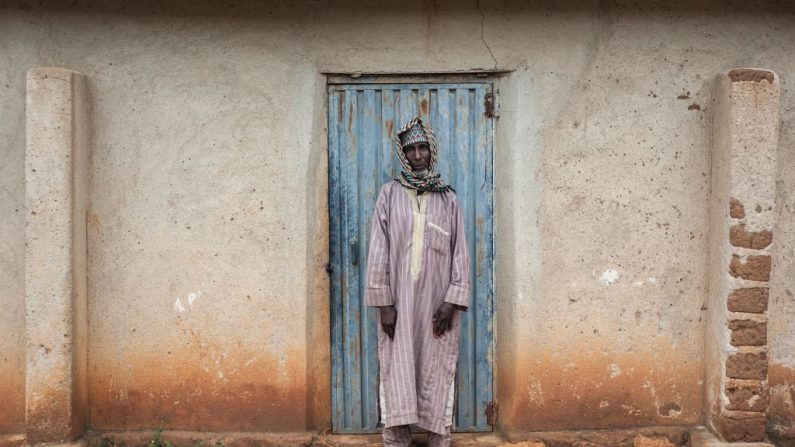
443,319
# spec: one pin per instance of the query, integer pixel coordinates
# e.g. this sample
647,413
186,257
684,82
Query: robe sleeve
458,289
378,291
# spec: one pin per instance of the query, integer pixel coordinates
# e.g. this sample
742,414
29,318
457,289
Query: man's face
419,156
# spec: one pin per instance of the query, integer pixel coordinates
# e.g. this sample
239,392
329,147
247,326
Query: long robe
417,259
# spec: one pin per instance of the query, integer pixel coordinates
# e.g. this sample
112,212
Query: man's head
419,156
416,148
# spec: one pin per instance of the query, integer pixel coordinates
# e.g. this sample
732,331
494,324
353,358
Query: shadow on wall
310,9
781,407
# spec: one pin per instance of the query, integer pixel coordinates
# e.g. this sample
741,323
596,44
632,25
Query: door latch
491,413
490,105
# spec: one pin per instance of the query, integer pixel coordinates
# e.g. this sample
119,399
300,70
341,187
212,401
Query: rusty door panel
362,119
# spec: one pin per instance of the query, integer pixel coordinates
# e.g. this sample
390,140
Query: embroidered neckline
419,204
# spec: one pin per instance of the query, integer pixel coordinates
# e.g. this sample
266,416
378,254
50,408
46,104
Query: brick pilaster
742,217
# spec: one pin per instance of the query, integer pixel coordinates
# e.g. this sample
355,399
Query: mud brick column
56,175
741,233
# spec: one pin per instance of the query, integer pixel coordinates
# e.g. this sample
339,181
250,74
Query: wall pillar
745,148
56,160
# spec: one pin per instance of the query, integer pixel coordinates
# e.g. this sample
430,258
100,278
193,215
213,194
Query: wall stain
49,418
582,390
94,221
781,409
12,410
176,392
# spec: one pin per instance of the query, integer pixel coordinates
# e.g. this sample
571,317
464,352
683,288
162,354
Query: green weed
157,439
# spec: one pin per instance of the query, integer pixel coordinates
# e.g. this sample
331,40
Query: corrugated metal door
362,119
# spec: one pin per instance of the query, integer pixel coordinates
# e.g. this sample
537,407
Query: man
418,277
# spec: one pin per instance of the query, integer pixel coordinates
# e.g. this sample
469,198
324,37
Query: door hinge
491,413
491,105
329,268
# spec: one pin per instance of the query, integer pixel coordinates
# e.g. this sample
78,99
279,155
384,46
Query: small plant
105,442
200,443
157,439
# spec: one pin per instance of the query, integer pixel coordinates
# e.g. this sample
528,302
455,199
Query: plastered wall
207,213
781,329
12,220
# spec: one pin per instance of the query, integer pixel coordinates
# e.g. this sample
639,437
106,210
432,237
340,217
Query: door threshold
418,440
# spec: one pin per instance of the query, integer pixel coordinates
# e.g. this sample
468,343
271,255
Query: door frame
337,79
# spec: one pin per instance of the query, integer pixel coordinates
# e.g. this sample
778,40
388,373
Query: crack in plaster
482,38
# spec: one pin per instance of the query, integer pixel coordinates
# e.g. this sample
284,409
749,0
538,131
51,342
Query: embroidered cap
412,135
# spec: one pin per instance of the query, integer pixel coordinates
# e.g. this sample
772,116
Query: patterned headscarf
418,131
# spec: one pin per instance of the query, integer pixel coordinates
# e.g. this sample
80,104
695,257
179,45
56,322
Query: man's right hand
388,316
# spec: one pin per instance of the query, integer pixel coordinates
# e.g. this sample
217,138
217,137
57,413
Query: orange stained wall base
781,409
12,402
591,390
187,392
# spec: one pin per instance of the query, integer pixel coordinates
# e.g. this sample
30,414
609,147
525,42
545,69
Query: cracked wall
206,135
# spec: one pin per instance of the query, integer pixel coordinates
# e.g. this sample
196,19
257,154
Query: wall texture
206,214
781,329
15,58
56,193
743,214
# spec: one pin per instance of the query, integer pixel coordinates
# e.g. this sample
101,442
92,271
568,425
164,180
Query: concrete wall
206,220
14,62
781,329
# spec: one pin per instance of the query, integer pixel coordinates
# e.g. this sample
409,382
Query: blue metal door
362,119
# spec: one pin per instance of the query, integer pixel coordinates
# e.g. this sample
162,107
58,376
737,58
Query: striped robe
417,259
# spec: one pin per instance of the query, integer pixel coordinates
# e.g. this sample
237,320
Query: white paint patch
651,279
281,371
535,394
647,385
178,306
119,389
637,283
609,276
604,404
190,298
193,297
615,370
632,411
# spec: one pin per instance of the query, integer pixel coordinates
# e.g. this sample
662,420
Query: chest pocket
438,238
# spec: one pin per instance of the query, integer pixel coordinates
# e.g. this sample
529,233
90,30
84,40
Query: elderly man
418,277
